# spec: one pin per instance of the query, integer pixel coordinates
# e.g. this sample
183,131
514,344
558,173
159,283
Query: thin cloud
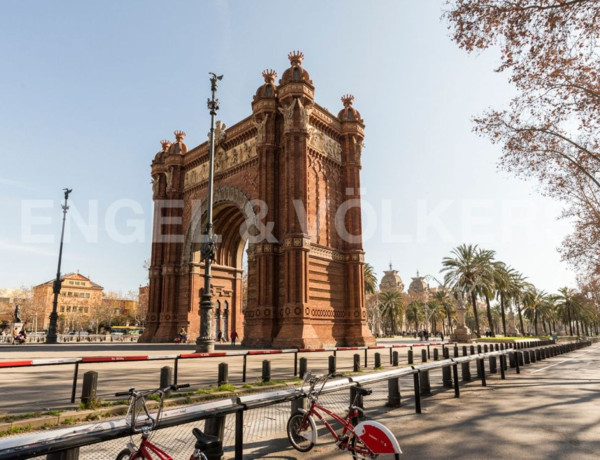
17,183
29,249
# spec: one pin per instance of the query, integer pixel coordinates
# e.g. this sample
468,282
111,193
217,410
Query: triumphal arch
287,187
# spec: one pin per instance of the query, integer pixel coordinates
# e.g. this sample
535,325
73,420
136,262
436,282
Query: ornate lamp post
51,337
206,343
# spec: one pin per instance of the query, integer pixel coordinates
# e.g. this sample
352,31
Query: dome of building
160,156
418,285
391,280
268,89
295,72
178,147
349,113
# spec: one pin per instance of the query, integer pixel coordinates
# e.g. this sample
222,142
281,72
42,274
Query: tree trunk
520,319
503,315
569,318
474,303
535,321
489,315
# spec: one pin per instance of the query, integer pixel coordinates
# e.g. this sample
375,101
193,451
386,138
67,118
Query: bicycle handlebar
132,391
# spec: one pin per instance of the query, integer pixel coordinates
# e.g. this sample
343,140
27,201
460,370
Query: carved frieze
324,144
224,160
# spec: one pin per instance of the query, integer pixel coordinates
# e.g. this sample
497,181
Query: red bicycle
141,421
368,439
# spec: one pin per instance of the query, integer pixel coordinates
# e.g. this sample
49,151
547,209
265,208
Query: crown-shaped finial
269,75
165,145
296,57
179,135
347,100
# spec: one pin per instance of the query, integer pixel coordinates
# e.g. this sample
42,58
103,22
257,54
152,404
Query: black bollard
395,359
493,366
479,348
393,393
436,354
166,376
472,348
304,366
332,364
266,370
466,368
223,374
424,376
377,360
455,350
410,356
356,363
88,391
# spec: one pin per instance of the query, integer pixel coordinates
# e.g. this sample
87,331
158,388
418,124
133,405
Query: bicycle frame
347,426
145,449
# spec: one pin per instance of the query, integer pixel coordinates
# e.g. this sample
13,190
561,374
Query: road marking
563,361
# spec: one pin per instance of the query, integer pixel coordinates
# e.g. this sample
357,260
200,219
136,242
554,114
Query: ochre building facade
287,184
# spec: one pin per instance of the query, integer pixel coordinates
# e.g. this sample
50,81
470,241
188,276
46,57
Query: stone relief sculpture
155,184
304,115
169,176
288,115
260,126
220,134
358,146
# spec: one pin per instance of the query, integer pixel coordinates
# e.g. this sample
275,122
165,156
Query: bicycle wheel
358,447
301,436
124,454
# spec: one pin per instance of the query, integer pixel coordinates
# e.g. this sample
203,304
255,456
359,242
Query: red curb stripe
15,363
264,352
104,359
202,355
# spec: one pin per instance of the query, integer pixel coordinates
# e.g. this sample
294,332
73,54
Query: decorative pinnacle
296,57
347,100
165,145
179,135
269,75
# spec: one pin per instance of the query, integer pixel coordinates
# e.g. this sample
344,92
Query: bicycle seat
205,441
363,391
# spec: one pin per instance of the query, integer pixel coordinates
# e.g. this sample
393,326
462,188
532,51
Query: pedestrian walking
220,337
234,336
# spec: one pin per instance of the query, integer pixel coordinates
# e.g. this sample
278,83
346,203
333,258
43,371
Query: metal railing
65,439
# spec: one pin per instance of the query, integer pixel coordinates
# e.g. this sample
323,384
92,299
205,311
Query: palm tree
486,287
533,300
370,279
391,303
566,303
445,300
515,290
414,313
465,273
502,276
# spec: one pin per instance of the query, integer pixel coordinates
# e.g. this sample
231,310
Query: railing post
410,356
295,364
239,434
366,350
417,393
455,374
71,454
358,399
244,369
297,404
215,426
517,361
391,356
175,370
74,389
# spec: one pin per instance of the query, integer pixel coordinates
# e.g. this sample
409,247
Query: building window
68,309
62,309
69,294
71,282
87,296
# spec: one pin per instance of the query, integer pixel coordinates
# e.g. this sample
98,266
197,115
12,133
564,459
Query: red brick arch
285,171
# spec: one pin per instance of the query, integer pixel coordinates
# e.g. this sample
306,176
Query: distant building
79,296
391,280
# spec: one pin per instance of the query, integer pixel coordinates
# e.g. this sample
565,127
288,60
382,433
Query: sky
90,88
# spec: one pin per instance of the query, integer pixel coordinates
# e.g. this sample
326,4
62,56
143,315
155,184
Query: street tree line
495,293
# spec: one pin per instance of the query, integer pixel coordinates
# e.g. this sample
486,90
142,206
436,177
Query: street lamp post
206,343
51,337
